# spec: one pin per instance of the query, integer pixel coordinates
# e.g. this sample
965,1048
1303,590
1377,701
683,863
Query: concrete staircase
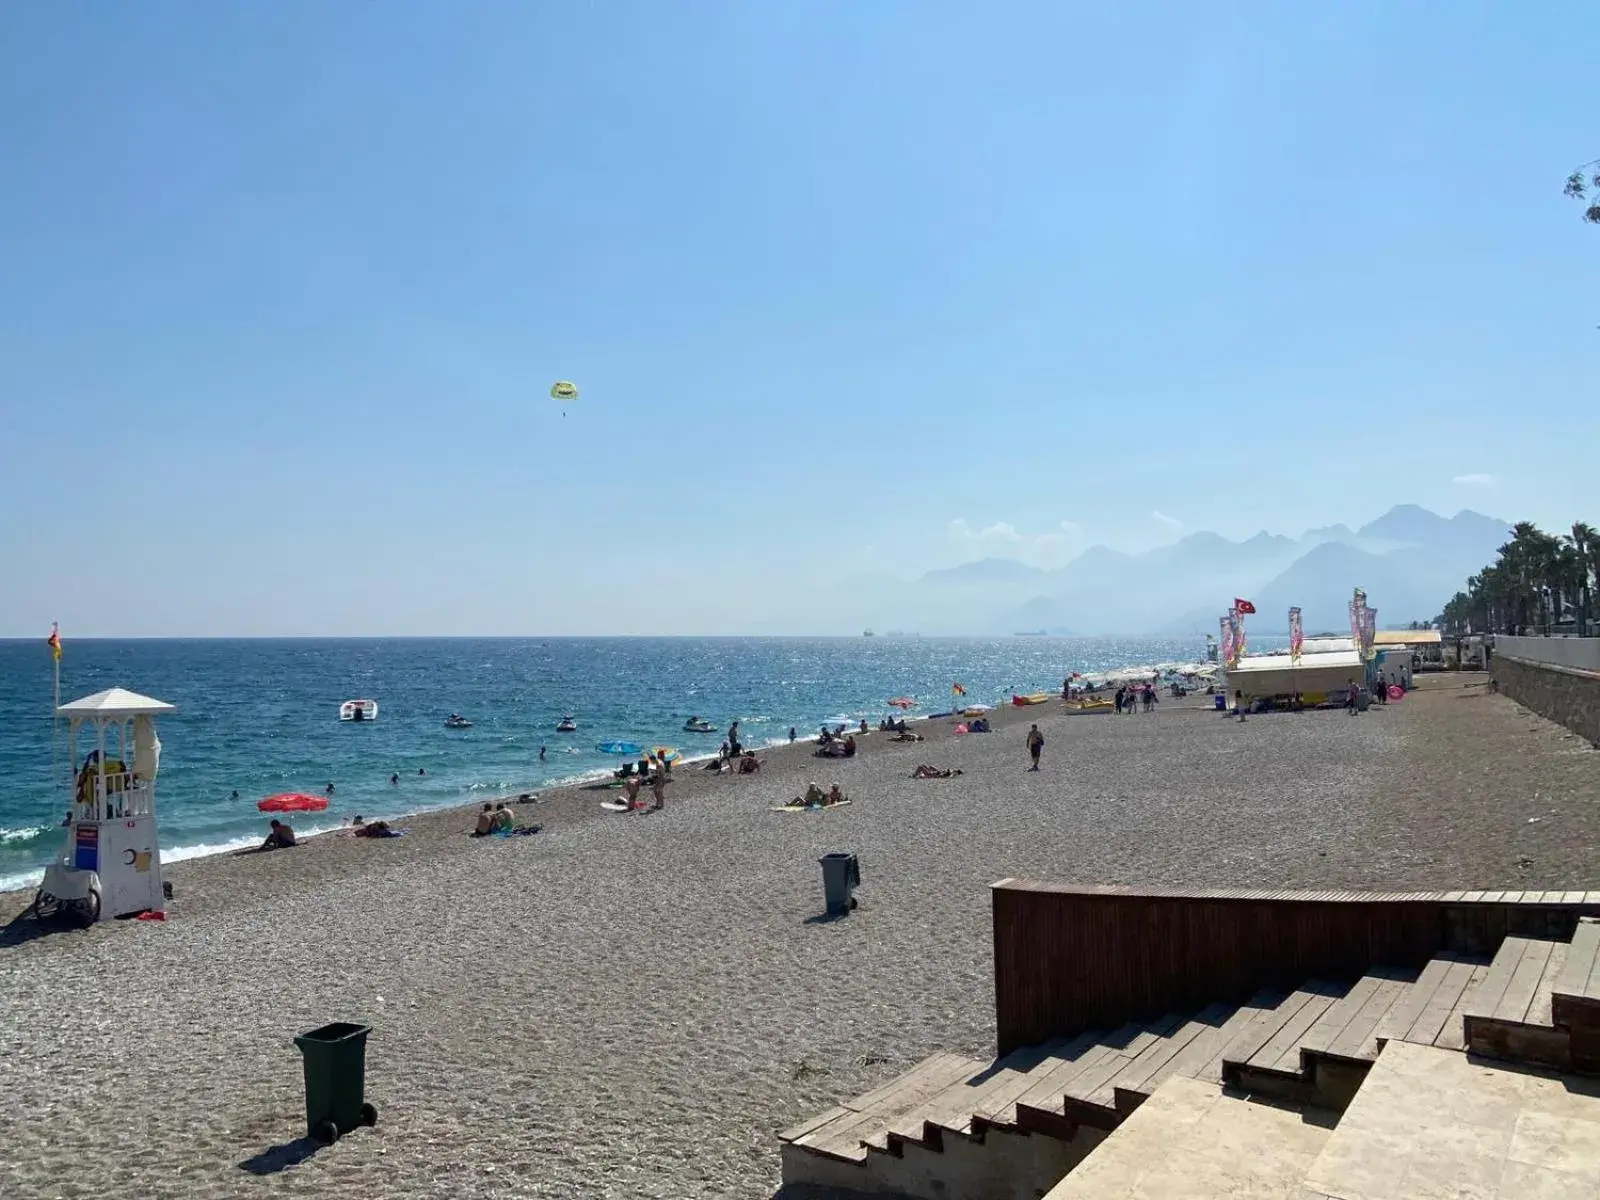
1014,1127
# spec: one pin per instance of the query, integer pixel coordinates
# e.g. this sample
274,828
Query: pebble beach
631,1005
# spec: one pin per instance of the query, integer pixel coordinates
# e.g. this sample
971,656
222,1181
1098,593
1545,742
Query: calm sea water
258,717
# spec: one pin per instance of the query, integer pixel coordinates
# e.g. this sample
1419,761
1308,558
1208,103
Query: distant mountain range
1410,561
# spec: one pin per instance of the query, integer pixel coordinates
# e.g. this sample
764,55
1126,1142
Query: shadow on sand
24,928
281,1157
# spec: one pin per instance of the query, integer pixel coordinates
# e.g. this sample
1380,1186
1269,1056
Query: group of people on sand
815,797
831,745
497,820
1130,697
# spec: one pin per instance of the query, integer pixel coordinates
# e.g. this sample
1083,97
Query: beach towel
794,808
520,831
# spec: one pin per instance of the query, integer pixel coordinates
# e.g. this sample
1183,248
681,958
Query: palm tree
1584,545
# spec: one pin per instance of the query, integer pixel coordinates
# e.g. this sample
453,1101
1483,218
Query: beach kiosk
110,864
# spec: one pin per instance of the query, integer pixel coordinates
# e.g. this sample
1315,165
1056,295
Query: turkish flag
1245,607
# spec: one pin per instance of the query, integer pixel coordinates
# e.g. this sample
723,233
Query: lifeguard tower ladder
110,864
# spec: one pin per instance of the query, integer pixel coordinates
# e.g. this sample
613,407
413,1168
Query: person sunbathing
903,736
924,771
835,796
376,829
815,797
502,818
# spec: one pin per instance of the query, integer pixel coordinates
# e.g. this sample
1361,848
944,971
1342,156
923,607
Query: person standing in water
541,753
1035,746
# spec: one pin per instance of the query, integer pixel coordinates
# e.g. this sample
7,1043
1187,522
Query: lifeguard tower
110,865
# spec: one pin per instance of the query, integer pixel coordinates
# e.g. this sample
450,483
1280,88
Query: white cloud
1000,531
1161,518
1046,549
1476,479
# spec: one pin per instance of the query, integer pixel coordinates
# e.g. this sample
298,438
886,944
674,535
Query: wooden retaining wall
1070,959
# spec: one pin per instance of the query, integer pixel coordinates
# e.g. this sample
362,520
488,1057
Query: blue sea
261,716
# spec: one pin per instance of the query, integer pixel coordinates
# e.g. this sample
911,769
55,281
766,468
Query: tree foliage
1539,582
1583,185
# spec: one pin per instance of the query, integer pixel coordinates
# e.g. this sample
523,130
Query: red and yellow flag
54,641
957,690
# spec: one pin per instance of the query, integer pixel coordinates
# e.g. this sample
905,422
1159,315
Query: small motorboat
457,721
567,725
698,725
358,710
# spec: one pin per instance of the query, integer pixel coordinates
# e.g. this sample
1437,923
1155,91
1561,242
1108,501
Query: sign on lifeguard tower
110,864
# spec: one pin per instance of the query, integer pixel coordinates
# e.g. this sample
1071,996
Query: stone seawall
1562,694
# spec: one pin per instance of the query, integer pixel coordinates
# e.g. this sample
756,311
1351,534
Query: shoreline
576,803
633,1007
573,783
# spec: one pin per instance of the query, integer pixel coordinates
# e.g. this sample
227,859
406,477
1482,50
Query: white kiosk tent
1316,677
110,864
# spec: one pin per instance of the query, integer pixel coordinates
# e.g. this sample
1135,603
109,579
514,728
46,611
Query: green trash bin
336,1079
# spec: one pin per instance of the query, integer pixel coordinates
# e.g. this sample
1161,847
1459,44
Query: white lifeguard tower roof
114,702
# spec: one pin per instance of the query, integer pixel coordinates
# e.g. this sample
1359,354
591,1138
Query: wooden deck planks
1580,974
1397,1022
999,1106
1431,1021
1143,1073
1358,1038
1202,1058
1282,1050
1486,999
1094,1084
1452,1034
1266,1026
1524,986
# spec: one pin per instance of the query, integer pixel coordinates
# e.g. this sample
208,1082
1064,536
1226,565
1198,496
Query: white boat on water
358,710
698,725
567,725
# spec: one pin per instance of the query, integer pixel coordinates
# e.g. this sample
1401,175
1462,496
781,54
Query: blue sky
283,288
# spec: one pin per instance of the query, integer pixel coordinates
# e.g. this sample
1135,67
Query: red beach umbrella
293,802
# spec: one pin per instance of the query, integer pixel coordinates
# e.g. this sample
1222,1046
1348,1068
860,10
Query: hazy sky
846,284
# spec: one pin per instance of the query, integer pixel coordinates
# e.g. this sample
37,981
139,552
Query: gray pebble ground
631,1006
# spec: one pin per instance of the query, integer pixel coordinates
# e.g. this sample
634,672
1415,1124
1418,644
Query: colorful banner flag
1244,607
1240,643
1226,628
54,641
1369,632
1297,637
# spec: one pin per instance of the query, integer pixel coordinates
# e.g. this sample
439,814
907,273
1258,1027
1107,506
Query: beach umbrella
618,747
666,754
286,802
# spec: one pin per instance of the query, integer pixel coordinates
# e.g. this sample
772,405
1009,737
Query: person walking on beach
1351,696
1035,746
791,735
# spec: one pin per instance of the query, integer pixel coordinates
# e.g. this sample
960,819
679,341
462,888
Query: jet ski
457,721
567,725
698,725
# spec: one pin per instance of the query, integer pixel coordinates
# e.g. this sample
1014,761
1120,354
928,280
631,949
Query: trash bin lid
338,1031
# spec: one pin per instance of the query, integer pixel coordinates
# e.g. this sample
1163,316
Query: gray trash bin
841,875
